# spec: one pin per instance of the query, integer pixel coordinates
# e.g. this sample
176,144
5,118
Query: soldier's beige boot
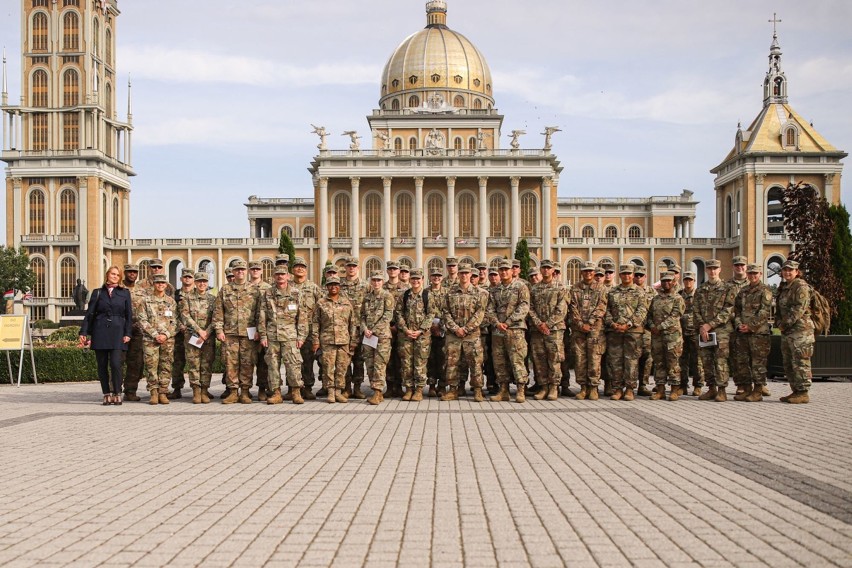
341,396
297,396
552,392
584,392
710,394
164,396
740,390
696,391
377,397
331,398
593,392
205,396
409,392
659,393
155,397
276,397
799,397
542,392
231,396
451,394
245,396
742,393
521,394
418,394
477,395
628,394
675,393
196,395
755,396
765,391
721,396
502,395
617,394
356,392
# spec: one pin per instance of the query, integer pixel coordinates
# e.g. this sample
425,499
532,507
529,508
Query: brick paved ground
425,484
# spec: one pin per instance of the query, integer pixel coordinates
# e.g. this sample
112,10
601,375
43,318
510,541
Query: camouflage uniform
739,342
511,306
588,306
282,322
548,305
355,290
335,328
752,307
793,318
179,364
413,314
625,305
262,368
310,294
690,360
464,309
158,316
714,306
436,367
235,311
646,358
377,313
135,359
394,369
664,315
196,314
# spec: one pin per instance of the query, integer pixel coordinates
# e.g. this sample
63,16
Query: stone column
829,188
546,188
760,228
451,216
418,221
252,228
483,219
322,216
356,216
386,206
515,208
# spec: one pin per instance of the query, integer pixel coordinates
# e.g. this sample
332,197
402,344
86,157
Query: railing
403,242
641,241
776,237
206,242
372,242
49,238
254,200
435,242
467,242
340,242
498,241
435,153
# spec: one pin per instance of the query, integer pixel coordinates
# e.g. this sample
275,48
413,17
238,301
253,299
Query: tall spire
129,100
436,14
775,84
5,86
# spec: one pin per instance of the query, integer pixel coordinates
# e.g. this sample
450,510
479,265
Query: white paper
196,341
372,341
436,321
711,341
252,333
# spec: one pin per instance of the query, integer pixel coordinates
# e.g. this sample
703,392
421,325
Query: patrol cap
689,276
299,261
417,273
534,272
546,264
713,263
229,272
666,276
452,261
740,260
607,265
282,259
156,262
331,268
437,272
626,268
237,264
791,264
492,271
160,278
281,270
675,268
201,276
504,264
404,268
599,271
754,268
392,264
516,263
377,275
480,266
351,261
131,268
464,267
589,265
255,265
332,280
639,270
187,272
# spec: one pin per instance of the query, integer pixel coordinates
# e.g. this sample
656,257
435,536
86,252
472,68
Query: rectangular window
39,132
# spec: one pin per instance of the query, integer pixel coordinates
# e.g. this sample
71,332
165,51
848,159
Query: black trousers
110,381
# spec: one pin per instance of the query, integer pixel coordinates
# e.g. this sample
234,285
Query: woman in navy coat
108,322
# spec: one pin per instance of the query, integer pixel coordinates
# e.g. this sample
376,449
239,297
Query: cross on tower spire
774,21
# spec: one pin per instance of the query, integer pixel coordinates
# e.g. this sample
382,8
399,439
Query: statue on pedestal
323,134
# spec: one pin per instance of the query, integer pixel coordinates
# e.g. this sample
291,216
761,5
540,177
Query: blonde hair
120,281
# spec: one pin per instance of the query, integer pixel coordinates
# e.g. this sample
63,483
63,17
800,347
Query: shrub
68,333
55,365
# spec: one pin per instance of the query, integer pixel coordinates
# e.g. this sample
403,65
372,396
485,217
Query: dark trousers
110,378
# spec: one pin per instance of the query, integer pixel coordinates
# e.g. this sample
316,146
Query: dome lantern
436,13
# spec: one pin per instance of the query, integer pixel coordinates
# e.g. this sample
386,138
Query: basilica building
426,179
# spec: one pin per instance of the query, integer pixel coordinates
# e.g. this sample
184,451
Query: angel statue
548,134
384,136
355,145
323,134
480,139
516,134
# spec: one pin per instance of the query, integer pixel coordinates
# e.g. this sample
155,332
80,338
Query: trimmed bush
54,365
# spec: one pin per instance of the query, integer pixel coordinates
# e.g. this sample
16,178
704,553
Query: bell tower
68,153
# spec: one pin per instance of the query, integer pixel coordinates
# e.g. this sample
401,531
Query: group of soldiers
483,326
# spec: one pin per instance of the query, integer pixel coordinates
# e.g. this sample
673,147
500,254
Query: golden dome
436,61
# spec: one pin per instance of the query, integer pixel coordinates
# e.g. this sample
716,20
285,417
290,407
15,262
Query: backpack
820,312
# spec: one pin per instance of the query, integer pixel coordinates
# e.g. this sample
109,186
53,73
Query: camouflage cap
480,266
493,272
675,268
229,272
299,261
282,258
689,276
332,280
504,264
639,270
437,272
187,272
754,268
281,270
131,268
599,271
464,267
740,260
546,264
607,265
351,261
392,264
713,263
534,272
255,264
377,275
404,268
452,261
516,263
201,276
160,279
628,268
239,263
156,262
790,264
416,273
666,276
331,269
589,265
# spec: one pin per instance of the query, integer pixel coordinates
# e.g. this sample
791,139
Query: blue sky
648,93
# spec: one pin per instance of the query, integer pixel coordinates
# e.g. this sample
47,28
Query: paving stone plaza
565,483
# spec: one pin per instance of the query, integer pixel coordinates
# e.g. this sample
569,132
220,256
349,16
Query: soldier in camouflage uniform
376,317
664,315
196,316
330,271
394,372
234,313
739,341
415,313
485,328
229,277
646,359
187,280
793,318
752,308
464,311
452,279
586,312
310,294
353,288
508,315
135,354
283,328
335,331
158,320
548,309
713,309
256,279
606,269
690,359
627,308
436,367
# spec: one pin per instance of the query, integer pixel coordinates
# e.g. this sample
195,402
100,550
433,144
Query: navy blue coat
108,319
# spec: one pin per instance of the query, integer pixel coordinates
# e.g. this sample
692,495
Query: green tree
15,271
285,246
522,253
841,260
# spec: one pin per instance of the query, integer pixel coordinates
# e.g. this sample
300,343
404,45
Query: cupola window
477,82
395,83
413,79
435,77
458,78
413,101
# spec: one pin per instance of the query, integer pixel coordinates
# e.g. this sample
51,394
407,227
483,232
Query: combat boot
245,396
799,397
175,395
288,395
297,396
721,396
409,392
541,393
433,392
418,394
552,392
308,394
502,395
340,396
225,393
322,392
377,397
659,393
330,398
616,395
451,394
155,398
566,389
275,398
608,390
231,397
755,396
643,391
205,396
742,393
261,394
628,394
709,395
520,394
132,396
164,397
593,392
696,391
356,392
477,395
675,393
765,391
196,395
584,392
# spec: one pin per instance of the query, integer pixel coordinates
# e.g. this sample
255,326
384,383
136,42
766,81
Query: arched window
413,101
108,104
435,215
39,90
36,204
497,211
458,143
287,230
39,268
471,143
39,132
144,269
773,270
68,276
207,266
39,41
342,217
412,143
729,216
70,88
96,37
67,212
572,270
105,218
435,263
71,31
397,144
775,211
308,232
395,104
404,216
467,215
108,47
405,261
611,232
373,210
115,218
588,232
70,130
565,232
458,101
634,232
697,266
529,215
268,270
477,104
372,265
